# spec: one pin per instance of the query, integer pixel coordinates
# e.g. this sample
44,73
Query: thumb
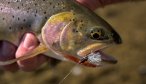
91,4
28,43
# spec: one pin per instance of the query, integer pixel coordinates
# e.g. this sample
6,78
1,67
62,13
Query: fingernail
29,41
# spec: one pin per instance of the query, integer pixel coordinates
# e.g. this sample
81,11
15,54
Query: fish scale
68,30
20,16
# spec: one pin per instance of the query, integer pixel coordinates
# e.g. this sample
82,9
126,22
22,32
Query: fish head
79,34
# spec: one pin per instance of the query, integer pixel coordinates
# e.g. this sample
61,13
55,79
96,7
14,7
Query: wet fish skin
20,16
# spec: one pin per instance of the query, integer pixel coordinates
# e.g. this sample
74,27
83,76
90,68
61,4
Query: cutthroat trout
66,30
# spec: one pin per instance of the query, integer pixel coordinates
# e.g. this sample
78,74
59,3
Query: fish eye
97,33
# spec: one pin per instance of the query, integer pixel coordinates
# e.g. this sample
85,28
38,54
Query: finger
7,52
29,43
91,4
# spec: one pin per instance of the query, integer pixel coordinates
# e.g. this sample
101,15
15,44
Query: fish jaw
91,48
94,54
107,58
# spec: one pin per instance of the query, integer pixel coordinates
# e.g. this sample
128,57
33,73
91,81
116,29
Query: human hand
9,51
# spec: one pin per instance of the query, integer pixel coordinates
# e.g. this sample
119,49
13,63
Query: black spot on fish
35,4
81,20
75,30
3,18
10,28
29,25
21,28
58,3
24,20
45,12
73,20
46,17
17,1
35,15
53,6
18,18
50,3
27,11
18,7
13,16
28,8
63,7
22,4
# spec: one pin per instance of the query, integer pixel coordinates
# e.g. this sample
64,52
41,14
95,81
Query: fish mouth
106,58
95,55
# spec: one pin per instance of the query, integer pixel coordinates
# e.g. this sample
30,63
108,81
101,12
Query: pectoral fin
40,49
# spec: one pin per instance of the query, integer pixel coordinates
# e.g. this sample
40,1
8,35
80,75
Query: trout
66,30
